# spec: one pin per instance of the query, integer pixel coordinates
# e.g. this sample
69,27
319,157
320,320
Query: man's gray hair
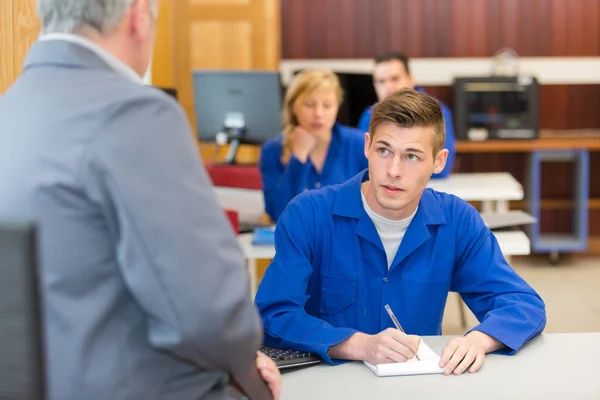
69,16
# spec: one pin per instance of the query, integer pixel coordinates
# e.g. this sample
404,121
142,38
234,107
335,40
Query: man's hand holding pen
388,346
391,345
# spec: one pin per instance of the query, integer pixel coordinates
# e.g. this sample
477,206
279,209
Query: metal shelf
577,240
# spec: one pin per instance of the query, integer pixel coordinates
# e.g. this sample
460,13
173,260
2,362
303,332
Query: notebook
429,364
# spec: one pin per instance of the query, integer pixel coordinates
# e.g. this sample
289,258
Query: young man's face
400,164
389,77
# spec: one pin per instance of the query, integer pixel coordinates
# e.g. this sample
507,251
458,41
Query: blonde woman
314,150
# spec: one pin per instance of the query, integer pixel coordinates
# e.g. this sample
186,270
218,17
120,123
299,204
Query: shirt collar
348,201
113,62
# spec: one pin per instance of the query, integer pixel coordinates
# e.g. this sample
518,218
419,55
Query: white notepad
429,364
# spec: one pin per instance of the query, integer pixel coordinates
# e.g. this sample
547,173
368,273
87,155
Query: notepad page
429,364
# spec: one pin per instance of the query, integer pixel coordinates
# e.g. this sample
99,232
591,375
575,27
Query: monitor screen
358,95
238,98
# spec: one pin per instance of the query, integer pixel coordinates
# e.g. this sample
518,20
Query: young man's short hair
408,108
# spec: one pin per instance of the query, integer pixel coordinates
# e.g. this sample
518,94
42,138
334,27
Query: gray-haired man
144,288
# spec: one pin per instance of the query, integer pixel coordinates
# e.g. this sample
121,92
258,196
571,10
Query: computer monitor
21,350
241,107
359,94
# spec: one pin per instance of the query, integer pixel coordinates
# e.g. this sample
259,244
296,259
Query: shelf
547,242
577,240
555,204
594,245
591,143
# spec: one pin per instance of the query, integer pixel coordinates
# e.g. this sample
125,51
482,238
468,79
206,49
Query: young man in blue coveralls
344,251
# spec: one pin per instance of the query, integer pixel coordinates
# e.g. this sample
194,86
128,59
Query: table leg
487,206
252,271
502,206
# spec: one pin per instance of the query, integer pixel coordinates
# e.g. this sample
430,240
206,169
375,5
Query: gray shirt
145,291
391,232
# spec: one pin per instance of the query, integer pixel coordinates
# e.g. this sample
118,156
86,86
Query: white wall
441,71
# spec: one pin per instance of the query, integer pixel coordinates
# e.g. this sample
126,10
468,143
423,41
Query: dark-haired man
392,73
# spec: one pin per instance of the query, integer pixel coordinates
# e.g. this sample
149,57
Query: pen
395,320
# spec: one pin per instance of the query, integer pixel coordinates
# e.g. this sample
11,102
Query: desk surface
492,186
512,243
552,366
249,203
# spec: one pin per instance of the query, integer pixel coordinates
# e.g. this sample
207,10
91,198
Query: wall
330,29
439,28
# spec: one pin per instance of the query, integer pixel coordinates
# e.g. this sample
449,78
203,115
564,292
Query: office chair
21,349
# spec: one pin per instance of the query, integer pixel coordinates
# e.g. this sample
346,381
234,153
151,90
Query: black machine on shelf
496,108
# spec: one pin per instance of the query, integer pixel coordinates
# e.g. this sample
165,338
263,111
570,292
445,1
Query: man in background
391,74
144,287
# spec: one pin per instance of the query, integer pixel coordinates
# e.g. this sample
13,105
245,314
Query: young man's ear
440,161
367,144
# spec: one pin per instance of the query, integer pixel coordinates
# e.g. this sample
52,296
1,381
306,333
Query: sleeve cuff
295,164
331,338
498,330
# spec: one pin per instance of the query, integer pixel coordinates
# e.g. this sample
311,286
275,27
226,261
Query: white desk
494,190
249,203
512,243
552,366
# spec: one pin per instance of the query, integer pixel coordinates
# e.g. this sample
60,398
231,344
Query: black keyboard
249,227
287,359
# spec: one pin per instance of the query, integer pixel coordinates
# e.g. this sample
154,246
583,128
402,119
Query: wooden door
19,28
214,34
